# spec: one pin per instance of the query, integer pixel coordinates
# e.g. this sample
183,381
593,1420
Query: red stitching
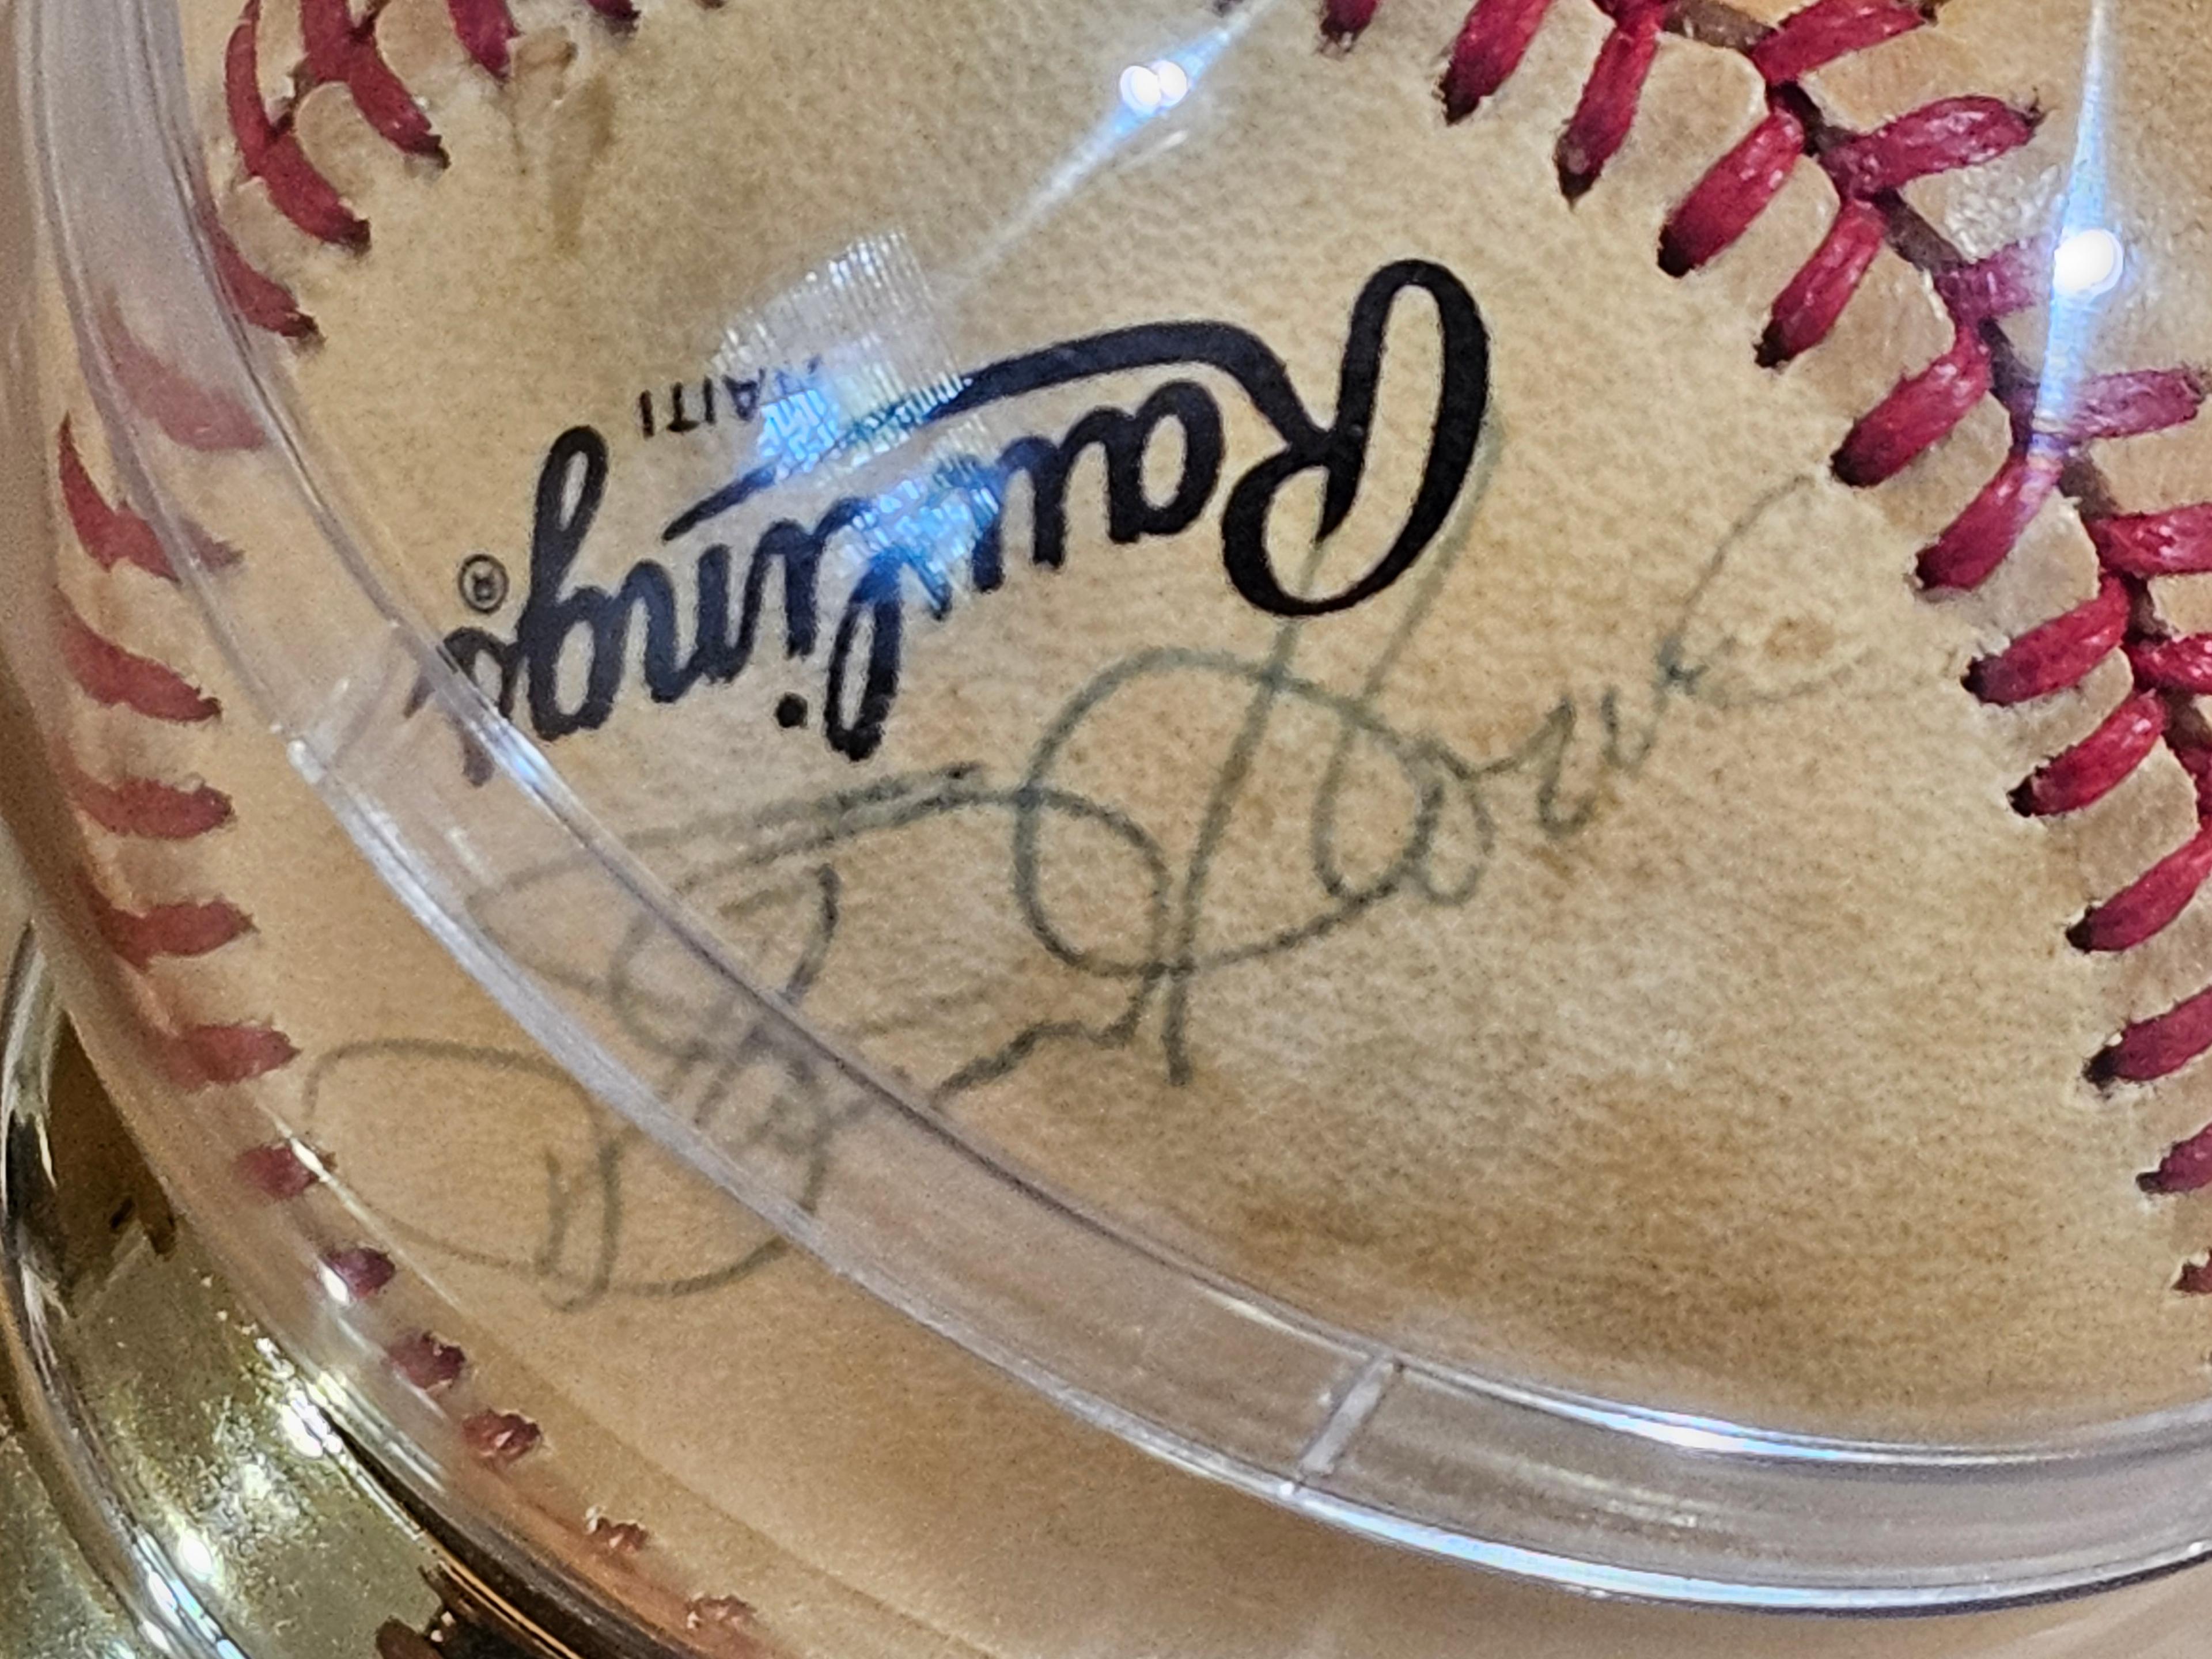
339,50
213,1055
2099,763
261,300
2154,898
2151,1049
1943,137
1809,307
359,1270
1982,536
1733,193
200,1056
108,674
1869,170
269,145
278,1172
111,535
1822,33
2129,405
616,1538
426,1362
1343,20
500,1438
144,808
1921,411
210,1056
186,412
183,410
115,535
166,930
1489,47
2176,664
2175,542
1610,98
2061,652
2006,284
486,30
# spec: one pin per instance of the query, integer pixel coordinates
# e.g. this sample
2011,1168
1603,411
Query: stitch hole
500,1439
357,1273
426,1363
1343,22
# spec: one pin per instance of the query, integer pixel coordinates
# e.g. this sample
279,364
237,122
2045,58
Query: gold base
171,1486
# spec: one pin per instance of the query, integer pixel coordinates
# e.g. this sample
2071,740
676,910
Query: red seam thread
142,937
1944,137
427,1363
269,146
2175,665
1491,44
1984,533
2129,405
361,1270
278,1172
1868,171
145,809
486,30
1737,189
212,1054
1809,307
500,1438
2175,542
340,50
1922,411
2155,1047
1342,20
2147,1049
261,299
2003,285
1817,36
186,412
2084,775
2061,652
110,534
115,677
209,1056
1610,97
2146,905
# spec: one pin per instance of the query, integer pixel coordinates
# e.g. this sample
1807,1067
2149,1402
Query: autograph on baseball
801,859
798,877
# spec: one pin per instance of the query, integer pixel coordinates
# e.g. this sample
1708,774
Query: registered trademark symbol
483,584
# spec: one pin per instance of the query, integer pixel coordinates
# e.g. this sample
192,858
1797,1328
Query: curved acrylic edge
1186,1364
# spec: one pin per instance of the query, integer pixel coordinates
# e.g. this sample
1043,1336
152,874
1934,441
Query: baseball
1525,677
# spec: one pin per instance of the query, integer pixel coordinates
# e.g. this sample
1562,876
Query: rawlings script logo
866,637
